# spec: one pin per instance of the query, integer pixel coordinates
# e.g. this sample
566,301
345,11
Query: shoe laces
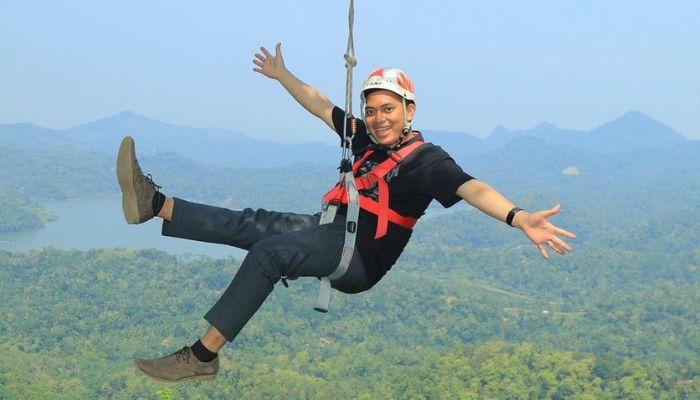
149,178
183,355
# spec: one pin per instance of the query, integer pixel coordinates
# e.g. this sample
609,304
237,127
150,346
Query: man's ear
410,111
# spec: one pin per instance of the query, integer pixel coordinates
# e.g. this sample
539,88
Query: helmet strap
406,125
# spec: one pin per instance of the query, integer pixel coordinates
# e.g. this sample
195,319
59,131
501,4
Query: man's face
384,116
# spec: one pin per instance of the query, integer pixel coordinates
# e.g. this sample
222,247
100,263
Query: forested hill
470,310
455,318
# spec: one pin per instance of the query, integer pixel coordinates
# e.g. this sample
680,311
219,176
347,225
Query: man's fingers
559,244
552,211
557,247
566,233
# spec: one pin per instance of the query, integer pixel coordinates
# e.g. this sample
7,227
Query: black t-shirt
426,174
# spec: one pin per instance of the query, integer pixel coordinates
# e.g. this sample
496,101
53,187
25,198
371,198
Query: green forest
470,311
455,318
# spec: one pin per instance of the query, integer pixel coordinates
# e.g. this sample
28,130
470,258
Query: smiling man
397,175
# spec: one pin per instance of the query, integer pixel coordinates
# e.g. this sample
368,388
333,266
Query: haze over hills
214,146
633,158
631,131
222,147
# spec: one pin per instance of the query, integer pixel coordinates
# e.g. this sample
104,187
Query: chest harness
346,192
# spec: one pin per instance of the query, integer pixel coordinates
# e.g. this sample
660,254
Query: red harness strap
376,175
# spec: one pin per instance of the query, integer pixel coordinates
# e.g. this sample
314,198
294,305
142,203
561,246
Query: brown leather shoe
137,188
179,366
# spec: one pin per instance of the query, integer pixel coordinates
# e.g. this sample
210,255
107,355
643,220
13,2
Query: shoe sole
189,378
125,175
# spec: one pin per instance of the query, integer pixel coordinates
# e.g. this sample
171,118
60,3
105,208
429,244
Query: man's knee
267,256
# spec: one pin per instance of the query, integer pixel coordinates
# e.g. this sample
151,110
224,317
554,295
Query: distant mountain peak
546,126
632,120
634,129
500,130
128,119
128,114
636,117
131,116
635,114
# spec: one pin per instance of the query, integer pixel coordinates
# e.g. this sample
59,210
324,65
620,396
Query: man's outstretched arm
535,226
312,99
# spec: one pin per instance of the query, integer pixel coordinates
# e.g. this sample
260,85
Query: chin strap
403,135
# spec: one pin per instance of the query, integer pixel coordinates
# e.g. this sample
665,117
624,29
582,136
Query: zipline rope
350,63
347,180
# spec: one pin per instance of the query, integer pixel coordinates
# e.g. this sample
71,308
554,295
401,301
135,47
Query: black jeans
278,244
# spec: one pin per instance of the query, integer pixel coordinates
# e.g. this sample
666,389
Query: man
295,245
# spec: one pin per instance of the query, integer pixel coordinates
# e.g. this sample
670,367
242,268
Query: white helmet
391,79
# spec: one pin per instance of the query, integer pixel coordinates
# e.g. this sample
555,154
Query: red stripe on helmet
377,72
405,82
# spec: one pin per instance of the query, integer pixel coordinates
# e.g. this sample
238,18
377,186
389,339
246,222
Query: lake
88,223
98,222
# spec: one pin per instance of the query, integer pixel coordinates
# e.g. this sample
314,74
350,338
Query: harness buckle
345,165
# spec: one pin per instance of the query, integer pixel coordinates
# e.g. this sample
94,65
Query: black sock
157,202
202,353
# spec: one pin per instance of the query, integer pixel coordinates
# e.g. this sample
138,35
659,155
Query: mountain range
633,162
614,174
222,147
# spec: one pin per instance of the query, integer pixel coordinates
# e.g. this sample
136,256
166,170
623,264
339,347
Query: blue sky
475,65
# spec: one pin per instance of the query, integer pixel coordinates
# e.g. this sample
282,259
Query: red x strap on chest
380,207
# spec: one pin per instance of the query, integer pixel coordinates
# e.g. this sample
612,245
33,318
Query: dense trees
18,217
472,323
470,311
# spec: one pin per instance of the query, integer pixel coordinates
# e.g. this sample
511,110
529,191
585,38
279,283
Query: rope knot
350,61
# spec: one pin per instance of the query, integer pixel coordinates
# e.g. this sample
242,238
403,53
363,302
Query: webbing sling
328,210
327,215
